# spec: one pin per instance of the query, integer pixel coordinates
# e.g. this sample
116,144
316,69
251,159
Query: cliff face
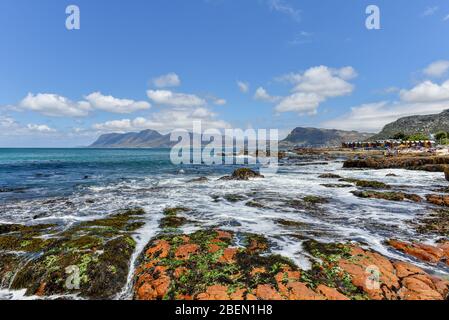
427,124
313,137
143,139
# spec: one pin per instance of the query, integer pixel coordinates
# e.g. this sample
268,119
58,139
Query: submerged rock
90,259
329,176
392,196
242,174
437,222
366,183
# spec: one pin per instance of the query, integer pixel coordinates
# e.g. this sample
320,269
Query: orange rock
250,296
330,293
267,292
239,294
299,291
179,272
405,269
287,276
161,250
213,248
215,292
184,251
439,200
224,235
146,292
228,255
420,251
41,290
257,270
442,286
415,288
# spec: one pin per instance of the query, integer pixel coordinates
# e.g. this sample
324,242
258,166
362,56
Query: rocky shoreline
220,264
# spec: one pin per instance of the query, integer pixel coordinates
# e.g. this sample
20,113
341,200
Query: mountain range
299,137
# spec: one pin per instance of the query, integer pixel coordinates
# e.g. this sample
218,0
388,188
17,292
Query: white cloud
315,86
40,128
262,95
426,91
437,69
446,18
54,105
373,117
172,99
430,11
326,82
300,102
165,121
115,105
282,7
167,80
425,98
243,86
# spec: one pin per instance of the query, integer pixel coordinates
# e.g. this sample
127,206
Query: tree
400,136
439,136
418,137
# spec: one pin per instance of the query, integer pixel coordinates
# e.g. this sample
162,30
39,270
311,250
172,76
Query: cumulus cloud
54,105
437,69
326,82
262,95
315,86
40,128
243,86
425,98
300,102
167,80
426,91
10,127
115,105
172,99
165,121
219,102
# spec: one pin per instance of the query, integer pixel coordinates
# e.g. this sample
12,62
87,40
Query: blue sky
160,64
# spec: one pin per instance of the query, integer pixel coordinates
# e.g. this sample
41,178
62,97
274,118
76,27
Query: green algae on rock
95,253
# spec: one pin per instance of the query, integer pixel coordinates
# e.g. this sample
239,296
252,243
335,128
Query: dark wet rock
336,185
254,204
391,175
172,222
426,163
329,176
243,174
97,251
437,222
173,211
199,180
289,223
392,196
315,200
234,197
446,172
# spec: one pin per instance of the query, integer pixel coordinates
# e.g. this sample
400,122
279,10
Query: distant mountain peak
314,137
426,124
144,139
